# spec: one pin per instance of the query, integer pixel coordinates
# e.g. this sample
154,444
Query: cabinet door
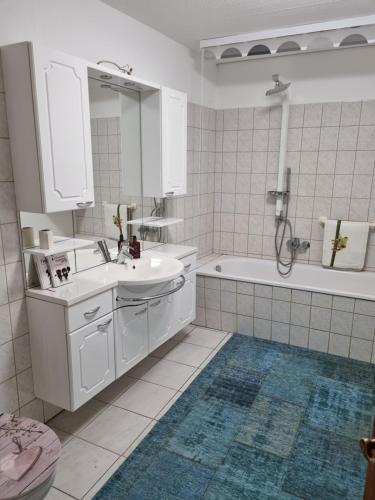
62,112
174,132
186,301
161,319
131,337
91,360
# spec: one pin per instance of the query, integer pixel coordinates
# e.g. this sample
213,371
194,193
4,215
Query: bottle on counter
135,248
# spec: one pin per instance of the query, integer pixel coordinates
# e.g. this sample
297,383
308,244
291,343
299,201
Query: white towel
111,231
345,244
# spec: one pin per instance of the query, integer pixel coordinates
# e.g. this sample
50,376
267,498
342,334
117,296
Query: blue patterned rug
262,421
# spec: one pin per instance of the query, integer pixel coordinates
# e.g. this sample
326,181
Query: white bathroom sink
137,272
149,271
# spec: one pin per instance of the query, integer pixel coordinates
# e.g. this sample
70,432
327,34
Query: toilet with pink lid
29,451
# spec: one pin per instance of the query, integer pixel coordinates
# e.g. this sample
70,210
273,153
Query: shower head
279,86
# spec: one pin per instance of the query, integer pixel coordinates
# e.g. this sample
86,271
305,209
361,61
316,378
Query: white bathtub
313,278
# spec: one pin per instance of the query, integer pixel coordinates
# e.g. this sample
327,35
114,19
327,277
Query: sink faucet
124,254
103,249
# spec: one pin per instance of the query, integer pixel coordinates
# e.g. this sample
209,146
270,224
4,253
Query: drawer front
91,360
190,263
87,311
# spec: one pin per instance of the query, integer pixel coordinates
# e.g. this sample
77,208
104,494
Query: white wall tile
363,327
245,304
318,340
280,332
321,300
9,396
300,314
299,336
350,113
245,325
22,352
341,322
262,328
320,318
339,345
343,303
360,349
281,311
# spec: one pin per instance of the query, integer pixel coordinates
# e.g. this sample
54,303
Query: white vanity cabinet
131,340
71,366
161,321
79,349
49,125
91,360
186,300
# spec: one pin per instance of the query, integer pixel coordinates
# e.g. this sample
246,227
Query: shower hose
284,267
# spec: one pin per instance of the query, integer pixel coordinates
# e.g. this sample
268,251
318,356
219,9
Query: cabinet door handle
187,267
154,304
87,314
141,312
104,325
84,204
169,193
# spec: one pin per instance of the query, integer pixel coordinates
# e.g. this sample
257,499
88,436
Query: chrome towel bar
152,297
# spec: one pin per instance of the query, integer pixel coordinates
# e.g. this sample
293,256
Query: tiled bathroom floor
99,436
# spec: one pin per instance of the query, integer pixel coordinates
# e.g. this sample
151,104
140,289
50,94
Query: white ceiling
189,21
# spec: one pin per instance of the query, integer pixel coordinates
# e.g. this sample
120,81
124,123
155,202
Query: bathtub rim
282,284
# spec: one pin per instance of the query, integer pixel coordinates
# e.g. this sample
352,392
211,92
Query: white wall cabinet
47,98
91,360
49,123
174,138
131,339
164,142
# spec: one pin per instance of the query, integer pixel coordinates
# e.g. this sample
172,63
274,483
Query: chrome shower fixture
279,86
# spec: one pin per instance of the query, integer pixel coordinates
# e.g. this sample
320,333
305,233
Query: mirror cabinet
85,139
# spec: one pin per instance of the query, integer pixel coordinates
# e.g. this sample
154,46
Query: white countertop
100,278
174,251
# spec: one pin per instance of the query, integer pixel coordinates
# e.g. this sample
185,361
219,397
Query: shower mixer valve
296,244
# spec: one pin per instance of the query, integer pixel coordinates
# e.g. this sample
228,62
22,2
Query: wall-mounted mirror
116,121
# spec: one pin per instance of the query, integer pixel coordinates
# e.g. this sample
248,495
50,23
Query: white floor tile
114,390
168,405
191,379
63,436
107,475
140,438
108,431
80,466
161,351
55,494
162,372
74,422
145,398
115,429
205,337
142,368
182,333
188,354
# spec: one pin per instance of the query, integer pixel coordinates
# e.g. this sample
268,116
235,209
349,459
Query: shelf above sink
155,221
